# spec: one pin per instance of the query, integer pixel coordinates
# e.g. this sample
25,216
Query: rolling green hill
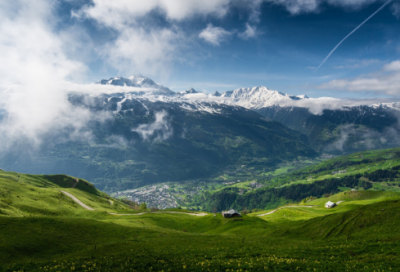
41,195
44,230
368,170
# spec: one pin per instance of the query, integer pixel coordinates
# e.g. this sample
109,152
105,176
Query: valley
163,168
148,134
187,135
44,230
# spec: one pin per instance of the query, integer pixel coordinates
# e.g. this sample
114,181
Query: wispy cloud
355,63
159,130
296,7
396,9
385,81
250,32
214,35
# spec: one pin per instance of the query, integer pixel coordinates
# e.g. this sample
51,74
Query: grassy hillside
40,195
369,170
361,233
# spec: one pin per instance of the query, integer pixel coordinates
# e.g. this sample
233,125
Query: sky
52,47
217,44
226,44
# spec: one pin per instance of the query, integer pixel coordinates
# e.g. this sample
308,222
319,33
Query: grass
42,230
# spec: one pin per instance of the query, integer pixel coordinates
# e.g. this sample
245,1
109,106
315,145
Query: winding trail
91,209
283,208
77,201
77,180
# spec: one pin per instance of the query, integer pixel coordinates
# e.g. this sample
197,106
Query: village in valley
157,196
186,194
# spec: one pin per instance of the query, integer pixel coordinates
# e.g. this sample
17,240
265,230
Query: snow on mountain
392,105
189,91
216,93
250,98
254,98
257,97
136,81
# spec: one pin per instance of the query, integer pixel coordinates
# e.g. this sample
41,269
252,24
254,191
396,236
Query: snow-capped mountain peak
258,97
216,93
251,98
189,91
138,81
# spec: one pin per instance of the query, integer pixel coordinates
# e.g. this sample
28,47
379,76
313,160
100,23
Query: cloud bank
35,70
385,81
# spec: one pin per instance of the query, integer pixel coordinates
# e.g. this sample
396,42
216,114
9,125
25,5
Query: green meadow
42,229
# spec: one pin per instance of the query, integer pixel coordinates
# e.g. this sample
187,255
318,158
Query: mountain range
338,130
152,134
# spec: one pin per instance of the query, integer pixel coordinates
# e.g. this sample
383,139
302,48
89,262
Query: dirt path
194,214
77,201
77,180
283,208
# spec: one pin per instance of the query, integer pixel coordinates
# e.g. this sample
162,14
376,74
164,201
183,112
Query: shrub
244,211
142,207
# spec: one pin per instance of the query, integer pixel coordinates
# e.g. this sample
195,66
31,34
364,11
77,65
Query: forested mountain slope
144,142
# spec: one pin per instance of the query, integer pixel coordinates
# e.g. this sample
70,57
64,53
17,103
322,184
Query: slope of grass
53,234
28,195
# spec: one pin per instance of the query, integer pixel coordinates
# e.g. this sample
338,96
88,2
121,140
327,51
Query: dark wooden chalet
231,213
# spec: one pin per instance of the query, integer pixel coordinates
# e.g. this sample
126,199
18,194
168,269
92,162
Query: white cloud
396,9
140,45
159,130
351,3
318,105
385,81
147,51
358,63
250,32
306,6
394,66
298,6
34,71
214,35
118,14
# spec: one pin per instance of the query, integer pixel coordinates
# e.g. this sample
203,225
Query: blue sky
50,48
204,44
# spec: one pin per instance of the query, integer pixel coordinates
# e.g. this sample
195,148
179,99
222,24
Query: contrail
348,35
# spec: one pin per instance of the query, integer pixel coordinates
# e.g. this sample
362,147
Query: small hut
330,204
231,213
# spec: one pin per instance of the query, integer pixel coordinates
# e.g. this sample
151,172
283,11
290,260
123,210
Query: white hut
330,204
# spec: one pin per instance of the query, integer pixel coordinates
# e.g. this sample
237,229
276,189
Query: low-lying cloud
384,81
34,72
318,105
160,130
